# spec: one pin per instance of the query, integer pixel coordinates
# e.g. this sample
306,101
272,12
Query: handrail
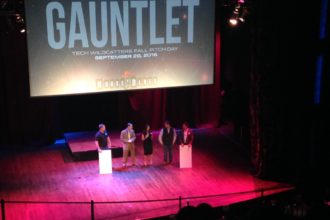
150,200
92,203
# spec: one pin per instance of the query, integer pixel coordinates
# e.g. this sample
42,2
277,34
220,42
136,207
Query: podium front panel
185,156
105,162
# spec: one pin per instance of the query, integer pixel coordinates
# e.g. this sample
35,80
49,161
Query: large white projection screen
85,46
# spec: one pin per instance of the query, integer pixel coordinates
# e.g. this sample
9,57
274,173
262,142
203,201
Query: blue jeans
168,153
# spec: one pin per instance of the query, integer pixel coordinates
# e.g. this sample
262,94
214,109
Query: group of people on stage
167,138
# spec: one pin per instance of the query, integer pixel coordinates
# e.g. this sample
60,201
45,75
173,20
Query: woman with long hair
147,145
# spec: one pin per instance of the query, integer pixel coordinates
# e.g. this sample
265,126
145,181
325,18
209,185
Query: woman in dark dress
147,145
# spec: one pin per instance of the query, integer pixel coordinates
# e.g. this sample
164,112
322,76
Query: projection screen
81,46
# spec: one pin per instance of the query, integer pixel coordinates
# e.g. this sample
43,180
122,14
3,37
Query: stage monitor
79,46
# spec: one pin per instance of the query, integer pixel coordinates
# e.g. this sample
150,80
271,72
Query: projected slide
82,46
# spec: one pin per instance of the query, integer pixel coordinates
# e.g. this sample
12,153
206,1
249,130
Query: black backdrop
287,127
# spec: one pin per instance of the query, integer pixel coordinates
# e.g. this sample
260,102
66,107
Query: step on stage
82,145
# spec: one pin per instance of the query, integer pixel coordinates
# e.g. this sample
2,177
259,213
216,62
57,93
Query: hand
100,151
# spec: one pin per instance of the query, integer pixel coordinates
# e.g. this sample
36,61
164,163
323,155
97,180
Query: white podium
185,156
105,162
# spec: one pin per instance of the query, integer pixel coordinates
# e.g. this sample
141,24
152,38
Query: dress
147,144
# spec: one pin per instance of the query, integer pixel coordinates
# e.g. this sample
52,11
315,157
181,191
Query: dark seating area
293,205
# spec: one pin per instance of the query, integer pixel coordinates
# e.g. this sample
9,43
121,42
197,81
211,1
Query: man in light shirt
127,136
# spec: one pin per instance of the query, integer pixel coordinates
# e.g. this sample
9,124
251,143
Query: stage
220,166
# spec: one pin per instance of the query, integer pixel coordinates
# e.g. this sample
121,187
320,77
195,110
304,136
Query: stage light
243,14
20,23
239,14
19,19
233,21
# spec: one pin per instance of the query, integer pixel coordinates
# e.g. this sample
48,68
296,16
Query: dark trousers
168,153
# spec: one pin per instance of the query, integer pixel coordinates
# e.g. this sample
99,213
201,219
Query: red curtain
200,105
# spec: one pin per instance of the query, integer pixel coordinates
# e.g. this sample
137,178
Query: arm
122,137
191,138
133,136
174,136
160,137
108,141
97,145
142,137
181,137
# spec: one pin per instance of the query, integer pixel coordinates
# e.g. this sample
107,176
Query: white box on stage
185,156
105,162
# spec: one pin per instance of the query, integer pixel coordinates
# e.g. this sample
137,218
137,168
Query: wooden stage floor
50,174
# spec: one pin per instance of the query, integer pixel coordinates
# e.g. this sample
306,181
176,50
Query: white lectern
185,156
105,161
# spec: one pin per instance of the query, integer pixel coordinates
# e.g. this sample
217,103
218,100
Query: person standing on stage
146,137
127,136
167,137
102,139
187,136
